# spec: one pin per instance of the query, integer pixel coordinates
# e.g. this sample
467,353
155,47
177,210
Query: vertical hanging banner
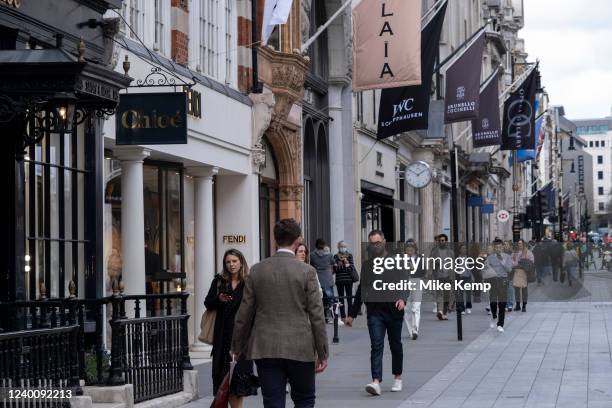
486,129
519,116
463,84
407,108
386,44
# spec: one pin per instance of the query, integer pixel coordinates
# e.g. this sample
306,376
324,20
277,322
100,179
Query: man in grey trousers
280,323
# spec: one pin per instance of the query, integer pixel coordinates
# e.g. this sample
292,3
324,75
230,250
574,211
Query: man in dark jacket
382,317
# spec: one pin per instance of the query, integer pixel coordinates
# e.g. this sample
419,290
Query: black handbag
244,384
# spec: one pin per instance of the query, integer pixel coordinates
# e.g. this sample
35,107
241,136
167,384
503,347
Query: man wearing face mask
501,264
383,317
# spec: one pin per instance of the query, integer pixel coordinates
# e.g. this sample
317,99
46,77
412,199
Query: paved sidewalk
558,354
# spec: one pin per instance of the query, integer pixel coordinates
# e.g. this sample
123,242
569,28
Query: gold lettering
130,124
163,121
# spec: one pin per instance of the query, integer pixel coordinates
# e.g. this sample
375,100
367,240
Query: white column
132,219
204,245
336,165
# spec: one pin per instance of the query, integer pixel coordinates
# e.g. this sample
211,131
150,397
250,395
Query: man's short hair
320,243
286,231
498,241
443,236
376,232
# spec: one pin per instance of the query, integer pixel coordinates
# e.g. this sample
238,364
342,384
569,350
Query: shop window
57,250
163,224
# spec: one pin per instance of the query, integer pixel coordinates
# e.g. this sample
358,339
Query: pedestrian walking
556,259
383,317
464,301
541,259
499,265
508,249
570,261
323,261
344,271
280,323
225,296
412,311
442,274
523,264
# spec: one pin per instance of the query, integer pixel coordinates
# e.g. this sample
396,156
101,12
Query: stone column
336,165
204,245
132,219
426,200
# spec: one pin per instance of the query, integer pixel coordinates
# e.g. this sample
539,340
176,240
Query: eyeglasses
377,243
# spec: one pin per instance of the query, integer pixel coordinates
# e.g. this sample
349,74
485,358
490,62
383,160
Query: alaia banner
386,44
463,84
486,128
407,108
519,116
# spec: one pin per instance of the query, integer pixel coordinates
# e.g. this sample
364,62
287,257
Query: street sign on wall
151,118
503,216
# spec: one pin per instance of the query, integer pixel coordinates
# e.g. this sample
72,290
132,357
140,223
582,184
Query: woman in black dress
224,296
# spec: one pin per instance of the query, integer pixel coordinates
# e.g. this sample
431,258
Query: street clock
418,174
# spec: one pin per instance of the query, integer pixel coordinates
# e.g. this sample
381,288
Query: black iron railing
47,339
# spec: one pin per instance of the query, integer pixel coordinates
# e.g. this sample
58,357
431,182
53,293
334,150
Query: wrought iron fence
44,341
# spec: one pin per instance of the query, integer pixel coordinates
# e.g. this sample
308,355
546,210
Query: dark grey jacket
323,263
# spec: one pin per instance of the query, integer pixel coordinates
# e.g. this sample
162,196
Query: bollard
336,339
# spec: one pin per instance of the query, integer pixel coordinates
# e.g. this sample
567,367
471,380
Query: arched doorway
268,202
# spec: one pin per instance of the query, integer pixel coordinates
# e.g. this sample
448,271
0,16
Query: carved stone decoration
110,28
285,74
305,7
263,105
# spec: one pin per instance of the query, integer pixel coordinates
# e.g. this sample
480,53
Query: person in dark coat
224,296
343,267
323,262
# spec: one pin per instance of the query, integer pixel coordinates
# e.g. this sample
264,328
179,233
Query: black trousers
345,289
273,376
498,295
517,295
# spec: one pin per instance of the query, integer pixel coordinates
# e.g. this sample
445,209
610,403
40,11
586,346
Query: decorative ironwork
82,114
156,78
149,350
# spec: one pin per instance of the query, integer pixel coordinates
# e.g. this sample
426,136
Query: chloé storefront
179,184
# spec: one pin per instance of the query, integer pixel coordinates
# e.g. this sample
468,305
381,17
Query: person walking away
412,311
323,262
344,267
500,265
522,262
541,259
570,261
464,303
442,274
383,317
224,296
508,249
556,258
288,346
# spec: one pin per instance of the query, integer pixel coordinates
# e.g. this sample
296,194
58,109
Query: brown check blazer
281,314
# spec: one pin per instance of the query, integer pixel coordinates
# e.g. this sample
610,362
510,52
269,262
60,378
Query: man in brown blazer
280,323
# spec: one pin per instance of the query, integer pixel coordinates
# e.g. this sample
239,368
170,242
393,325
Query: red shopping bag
222,398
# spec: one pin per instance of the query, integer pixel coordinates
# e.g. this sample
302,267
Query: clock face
418,174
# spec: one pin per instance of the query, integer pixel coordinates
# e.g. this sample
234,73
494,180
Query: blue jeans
542,271
378,324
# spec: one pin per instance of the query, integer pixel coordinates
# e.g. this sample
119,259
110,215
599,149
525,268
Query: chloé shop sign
152,118
11,3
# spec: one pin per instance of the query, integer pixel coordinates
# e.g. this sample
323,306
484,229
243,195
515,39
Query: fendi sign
152,118
234,239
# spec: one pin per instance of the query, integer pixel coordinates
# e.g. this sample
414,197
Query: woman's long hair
244,267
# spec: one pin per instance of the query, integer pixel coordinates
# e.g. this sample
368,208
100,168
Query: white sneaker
340,322
435,309
492,324
500,329
469,311
462,313
397,385
373,388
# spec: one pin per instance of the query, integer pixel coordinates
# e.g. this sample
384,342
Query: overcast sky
573,41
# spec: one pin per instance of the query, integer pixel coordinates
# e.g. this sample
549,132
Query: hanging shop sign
11,3
152,119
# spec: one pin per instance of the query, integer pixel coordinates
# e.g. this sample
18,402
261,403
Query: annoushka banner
519,116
